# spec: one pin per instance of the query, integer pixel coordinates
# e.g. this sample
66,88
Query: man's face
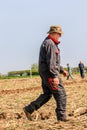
58,35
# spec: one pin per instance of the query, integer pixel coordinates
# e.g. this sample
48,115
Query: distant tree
34,66
1,75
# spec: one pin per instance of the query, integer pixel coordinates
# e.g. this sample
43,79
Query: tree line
34,71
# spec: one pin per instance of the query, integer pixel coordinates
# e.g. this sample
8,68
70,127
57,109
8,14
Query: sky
24,25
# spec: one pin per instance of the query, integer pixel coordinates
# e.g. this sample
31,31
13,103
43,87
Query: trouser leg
60,97
82,73
35,105
68,77
71,76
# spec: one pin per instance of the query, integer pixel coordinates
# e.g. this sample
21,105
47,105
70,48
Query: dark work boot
28,115
63,119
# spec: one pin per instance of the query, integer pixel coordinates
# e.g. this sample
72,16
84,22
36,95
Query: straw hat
56,29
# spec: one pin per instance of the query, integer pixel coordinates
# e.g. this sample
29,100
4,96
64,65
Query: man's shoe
28,115
65,120
61,120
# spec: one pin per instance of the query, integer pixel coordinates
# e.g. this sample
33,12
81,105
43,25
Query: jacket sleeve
61,69
51,60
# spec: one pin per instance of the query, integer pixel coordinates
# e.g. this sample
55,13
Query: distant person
81,68
49,70
69,72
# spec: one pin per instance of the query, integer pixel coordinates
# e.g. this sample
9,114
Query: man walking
49,70
81,68
69,72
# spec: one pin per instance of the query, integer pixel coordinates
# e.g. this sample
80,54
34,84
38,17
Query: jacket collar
54,40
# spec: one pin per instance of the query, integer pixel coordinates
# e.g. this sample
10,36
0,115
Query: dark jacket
81,66
49,58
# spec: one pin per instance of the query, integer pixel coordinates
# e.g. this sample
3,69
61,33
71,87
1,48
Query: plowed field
16,93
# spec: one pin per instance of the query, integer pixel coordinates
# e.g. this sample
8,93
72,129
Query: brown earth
16,93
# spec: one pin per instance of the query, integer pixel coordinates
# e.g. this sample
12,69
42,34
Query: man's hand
65,73
55,81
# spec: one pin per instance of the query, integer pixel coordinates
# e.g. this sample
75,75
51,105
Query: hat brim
55,32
